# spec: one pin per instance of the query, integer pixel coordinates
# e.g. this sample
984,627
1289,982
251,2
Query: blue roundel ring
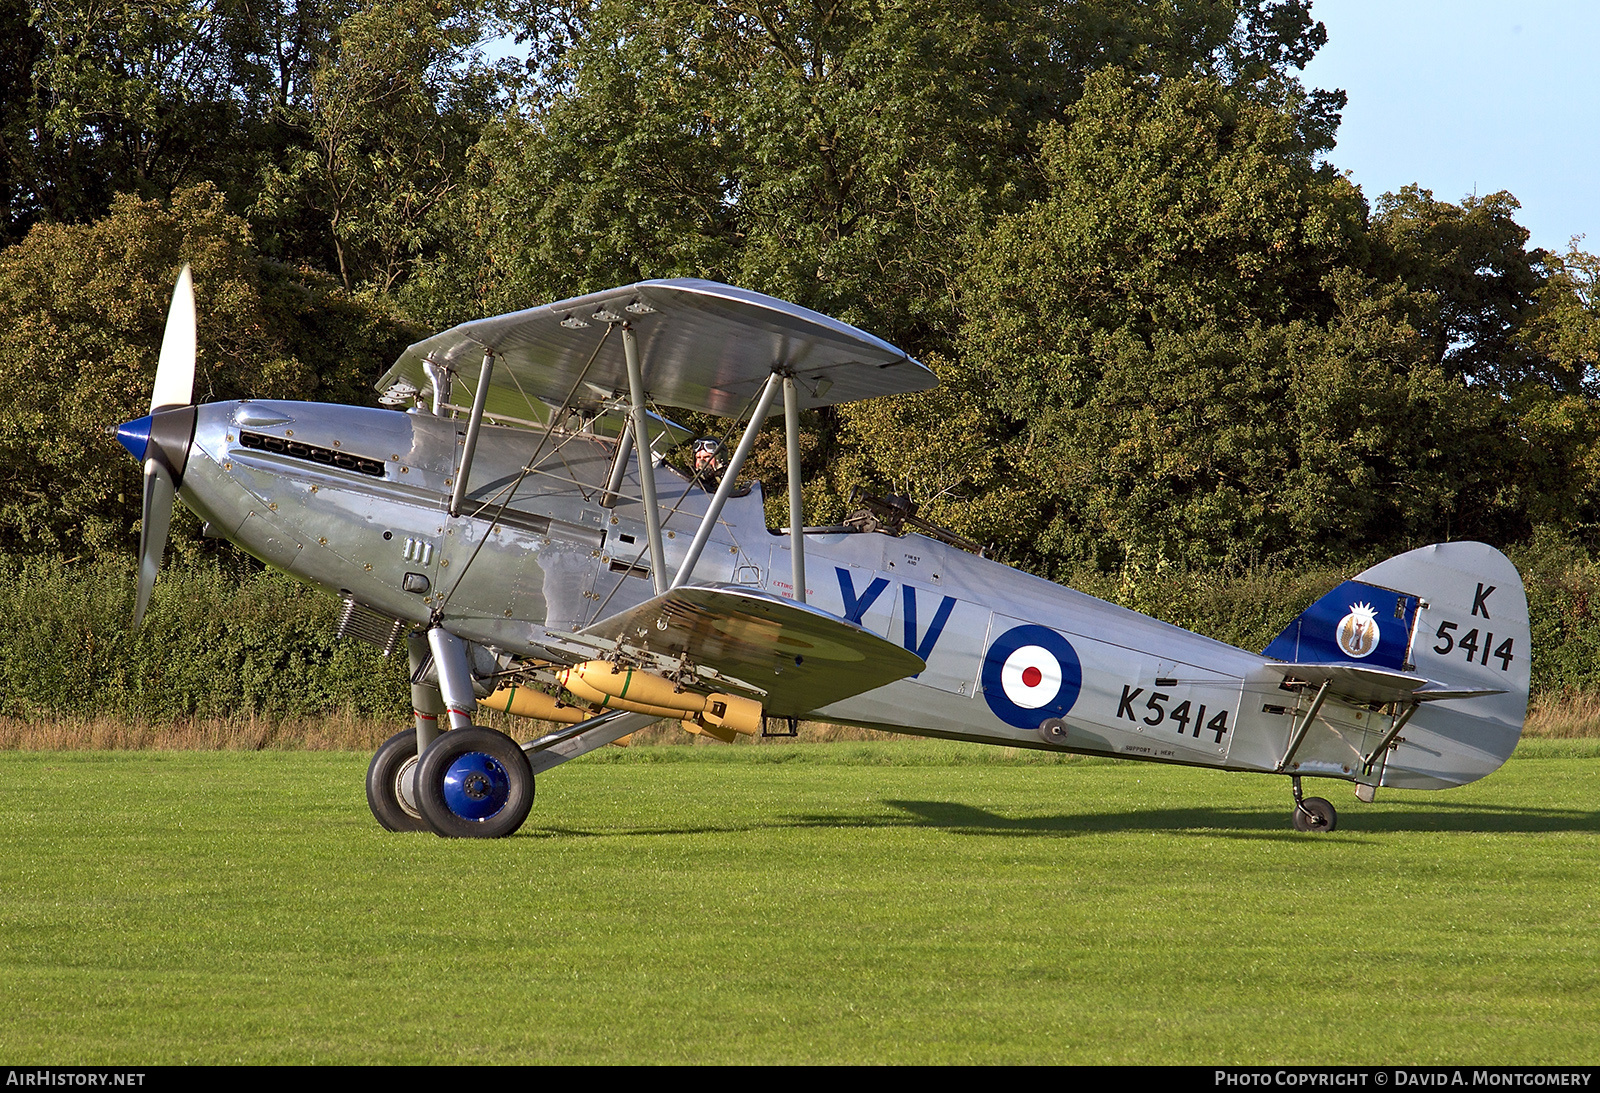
1039,658
476,786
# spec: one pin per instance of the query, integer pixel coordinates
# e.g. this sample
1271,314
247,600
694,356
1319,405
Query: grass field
903,902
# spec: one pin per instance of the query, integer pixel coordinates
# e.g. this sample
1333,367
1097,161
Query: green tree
1120,380
1479,279
123,98
271,50
1558,415
19,48
391,116
101,99
82,310
1563,331
841,154
837,153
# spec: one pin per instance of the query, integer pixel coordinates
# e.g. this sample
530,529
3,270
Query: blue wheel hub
476,786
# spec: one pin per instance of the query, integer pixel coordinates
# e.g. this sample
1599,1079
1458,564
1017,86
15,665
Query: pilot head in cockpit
708,461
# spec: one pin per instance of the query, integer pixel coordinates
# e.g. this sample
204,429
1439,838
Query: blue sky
1471,96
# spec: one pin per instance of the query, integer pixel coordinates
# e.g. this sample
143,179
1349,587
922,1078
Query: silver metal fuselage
354,501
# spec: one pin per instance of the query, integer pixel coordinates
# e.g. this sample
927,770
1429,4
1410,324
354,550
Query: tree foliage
387,125
837,153
1475,279
1192,350
1171,333
1563,330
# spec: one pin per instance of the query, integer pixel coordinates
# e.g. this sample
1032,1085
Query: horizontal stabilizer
801,657
1360,684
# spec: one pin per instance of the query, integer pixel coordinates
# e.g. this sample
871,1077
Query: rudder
1469,631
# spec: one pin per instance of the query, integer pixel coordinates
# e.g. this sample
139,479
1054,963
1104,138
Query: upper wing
800,657
704,346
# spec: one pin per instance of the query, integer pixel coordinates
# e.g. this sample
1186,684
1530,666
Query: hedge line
217,641
225,640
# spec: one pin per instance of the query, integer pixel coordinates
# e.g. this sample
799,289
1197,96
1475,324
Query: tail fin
1358,622
1454,613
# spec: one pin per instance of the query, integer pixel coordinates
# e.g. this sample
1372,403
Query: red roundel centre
1031,676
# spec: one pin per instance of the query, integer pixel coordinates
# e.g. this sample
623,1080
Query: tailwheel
474,783
1313,813
390,799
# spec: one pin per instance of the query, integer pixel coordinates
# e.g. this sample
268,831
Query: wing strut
619,466
725,488
1305,724
1389,737
797,513
647,466
474,426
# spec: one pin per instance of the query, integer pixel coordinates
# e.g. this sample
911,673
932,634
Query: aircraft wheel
396,758
1053,730
1315,814
474,784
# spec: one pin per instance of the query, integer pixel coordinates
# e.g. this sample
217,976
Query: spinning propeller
160,440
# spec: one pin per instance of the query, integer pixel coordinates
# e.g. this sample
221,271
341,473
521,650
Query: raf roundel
1031,674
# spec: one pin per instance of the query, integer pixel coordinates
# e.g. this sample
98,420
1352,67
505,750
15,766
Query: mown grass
905,902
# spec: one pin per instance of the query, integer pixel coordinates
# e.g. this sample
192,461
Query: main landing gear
1312,813
471,783
474,784
467,783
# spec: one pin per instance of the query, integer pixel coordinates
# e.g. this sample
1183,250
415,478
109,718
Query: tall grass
1564,717
249,732
340,731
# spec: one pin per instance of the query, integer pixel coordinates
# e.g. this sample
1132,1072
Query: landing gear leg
455,678
1312,813
426,701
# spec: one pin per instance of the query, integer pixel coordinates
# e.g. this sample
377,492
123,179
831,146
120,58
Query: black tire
1053,731
1315,814
474,784
383,783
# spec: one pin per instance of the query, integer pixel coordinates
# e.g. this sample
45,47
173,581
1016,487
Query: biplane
513,526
